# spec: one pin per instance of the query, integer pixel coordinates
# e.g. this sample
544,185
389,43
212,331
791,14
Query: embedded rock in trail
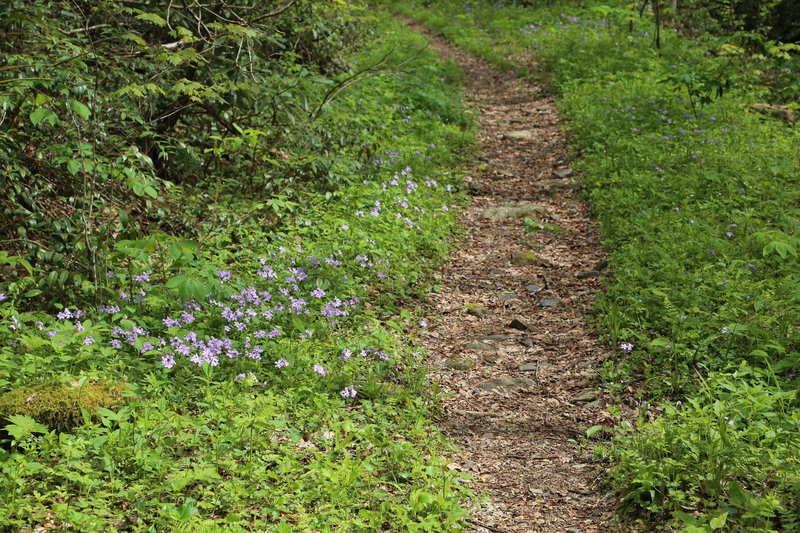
460,363
507,297
507,383
601,265
476,346
597,404
563,173
588,274
550,302
514,212
522,325
586,396
478,311
491,357
520,135
523,258
497,337
533,288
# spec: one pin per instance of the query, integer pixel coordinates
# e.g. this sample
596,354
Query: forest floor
511,348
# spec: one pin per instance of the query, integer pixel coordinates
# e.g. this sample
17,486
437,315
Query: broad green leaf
152,17
592,430
719,521
22,426
80,109
74,166
41,114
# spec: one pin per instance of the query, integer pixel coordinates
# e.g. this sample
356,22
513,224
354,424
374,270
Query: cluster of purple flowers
297,295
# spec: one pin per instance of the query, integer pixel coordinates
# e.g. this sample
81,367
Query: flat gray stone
514,212
586,396
523,258
476,346
521,324
550,302
530,367
533,288
507,297
597,404
490,357
519,135
507,383
499,337
588,274
526,342
460,363
564,172
478,311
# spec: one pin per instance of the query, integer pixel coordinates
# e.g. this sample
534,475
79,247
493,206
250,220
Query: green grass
697,199
338,435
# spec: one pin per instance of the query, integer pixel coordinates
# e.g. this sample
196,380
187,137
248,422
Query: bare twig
273,14
83,30
372,70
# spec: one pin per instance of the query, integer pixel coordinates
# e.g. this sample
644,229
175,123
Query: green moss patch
60,406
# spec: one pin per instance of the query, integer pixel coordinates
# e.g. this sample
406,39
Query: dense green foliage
252,216
698,201
121,119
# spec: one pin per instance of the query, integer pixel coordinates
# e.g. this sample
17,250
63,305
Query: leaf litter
519,414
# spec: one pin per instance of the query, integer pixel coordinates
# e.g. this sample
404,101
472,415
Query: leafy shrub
114,114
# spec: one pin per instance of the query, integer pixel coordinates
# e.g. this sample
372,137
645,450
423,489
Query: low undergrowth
268,376
697,197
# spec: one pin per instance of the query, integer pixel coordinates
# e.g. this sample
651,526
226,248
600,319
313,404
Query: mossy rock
524,258
59,406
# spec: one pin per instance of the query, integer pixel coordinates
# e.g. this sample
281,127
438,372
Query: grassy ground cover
698,201
263,379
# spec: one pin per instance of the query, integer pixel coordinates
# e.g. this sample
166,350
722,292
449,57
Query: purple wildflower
280,363
626,346
319,369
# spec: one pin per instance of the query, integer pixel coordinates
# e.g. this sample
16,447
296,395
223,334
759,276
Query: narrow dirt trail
521,395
